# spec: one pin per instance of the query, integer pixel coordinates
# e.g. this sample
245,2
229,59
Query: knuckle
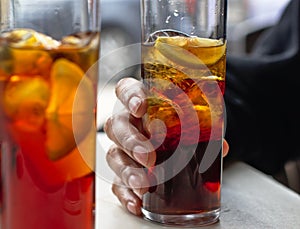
107,124
112,152
125,172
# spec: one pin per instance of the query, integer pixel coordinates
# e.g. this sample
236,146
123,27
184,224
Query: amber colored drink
185,77
48,95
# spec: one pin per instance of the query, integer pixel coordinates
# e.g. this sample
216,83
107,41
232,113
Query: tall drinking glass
48,81
183,66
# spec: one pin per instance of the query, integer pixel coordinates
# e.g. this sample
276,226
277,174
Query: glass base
189,220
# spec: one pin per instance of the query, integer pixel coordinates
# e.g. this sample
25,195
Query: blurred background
121,30
247,19
121,27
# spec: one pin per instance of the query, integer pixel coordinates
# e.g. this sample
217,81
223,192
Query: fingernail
134,104
134,182
131,207
141,155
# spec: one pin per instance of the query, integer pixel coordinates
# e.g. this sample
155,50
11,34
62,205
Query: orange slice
70,114
25,101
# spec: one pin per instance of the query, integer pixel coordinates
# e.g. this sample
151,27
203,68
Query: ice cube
77,40
29,38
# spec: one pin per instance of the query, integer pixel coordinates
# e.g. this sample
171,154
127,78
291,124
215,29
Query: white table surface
250,199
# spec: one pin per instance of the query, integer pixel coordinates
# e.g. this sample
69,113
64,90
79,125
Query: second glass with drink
183,66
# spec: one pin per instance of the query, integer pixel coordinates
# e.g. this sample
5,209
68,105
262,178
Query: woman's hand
132,151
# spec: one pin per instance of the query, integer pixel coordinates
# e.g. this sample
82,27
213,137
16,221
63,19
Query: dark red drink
185,77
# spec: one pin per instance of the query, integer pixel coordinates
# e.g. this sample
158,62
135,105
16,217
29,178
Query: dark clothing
262,97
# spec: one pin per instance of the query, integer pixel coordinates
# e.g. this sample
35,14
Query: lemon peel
183,50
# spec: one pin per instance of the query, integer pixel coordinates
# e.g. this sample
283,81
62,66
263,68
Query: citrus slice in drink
192,52
210,51
25,101
71,132
70,114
